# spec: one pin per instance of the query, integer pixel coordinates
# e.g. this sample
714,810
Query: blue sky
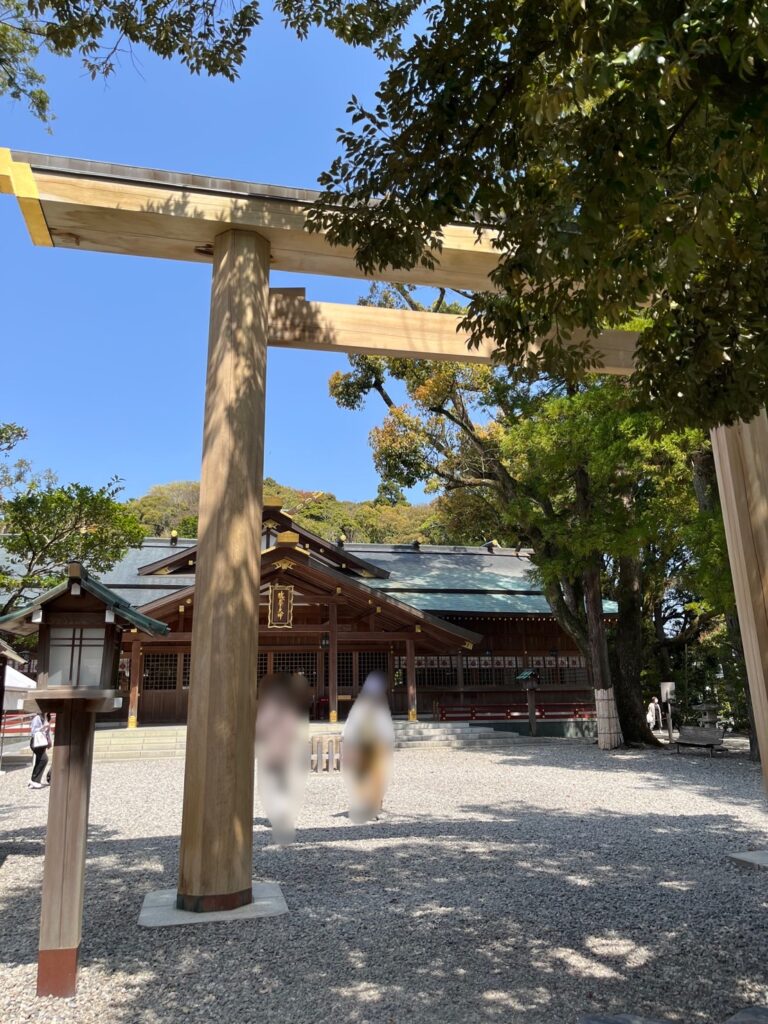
104,355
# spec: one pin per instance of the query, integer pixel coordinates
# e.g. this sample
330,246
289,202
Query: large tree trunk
629,652
609,733
569,612
608,728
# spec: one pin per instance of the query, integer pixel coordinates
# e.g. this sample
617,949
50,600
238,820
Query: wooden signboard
280,606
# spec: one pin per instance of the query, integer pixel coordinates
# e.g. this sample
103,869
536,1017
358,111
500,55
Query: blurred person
282,750
367,744
654,714
39,742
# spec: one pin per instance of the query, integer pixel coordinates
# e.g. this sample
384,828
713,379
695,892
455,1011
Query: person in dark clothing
39,741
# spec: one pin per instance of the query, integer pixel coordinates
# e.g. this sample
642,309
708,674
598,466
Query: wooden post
133,696
217,822
460,675
64,867
410,675
741,461
3,663
333,664
532,709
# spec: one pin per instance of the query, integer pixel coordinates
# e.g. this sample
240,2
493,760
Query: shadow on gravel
693,768
512,914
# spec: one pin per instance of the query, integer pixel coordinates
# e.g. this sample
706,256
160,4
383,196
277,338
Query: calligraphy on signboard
280,606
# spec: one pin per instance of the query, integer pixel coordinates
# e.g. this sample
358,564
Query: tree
207,36
616,151
44,525
388,519
451,434
187,526
165,506
22,36
600,491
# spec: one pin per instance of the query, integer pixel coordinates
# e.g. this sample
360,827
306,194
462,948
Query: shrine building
450,626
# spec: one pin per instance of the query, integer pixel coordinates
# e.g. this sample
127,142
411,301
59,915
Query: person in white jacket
367,748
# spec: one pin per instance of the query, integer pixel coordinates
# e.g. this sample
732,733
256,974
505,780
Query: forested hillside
386,519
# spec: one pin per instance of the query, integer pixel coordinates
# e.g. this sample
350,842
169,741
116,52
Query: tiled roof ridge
437,549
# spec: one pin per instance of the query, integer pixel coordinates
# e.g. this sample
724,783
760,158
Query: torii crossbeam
245,230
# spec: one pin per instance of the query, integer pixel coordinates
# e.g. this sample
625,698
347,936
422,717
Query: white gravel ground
532,885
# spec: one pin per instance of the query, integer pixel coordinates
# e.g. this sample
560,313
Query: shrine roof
433,578
20,621
458,579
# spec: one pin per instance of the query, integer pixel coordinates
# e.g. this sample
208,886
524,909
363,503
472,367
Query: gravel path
533,884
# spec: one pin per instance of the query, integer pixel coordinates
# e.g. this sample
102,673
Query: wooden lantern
78,625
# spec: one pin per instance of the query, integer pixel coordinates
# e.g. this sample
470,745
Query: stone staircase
134,744
159,741
455,735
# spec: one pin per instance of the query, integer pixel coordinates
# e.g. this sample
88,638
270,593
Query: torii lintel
82,204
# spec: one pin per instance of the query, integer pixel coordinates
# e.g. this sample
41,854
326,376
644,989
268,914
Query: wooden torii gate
245,230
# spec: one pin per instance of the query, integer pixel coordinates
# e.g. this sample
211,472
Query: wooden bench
325,753
701,736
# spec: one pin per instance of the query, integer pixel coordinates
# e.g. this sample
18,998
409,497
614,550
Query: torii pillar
217,824
741,462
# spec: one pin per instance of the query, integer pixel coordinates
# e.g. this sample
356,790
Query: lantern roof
20,621
7,652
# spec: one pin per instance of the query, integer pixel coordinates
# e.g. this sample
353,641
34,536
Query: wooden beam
405,334
16,178
102,207
741,461
217,823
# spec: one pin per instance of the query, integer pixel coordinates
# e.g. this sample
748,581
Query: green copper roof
463,580
18,621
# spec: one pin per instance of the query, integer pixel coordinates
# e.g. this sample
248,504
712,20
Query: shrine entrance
245,230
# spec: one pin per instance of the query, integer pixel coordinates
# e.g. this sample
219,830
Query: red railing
18,723
554,712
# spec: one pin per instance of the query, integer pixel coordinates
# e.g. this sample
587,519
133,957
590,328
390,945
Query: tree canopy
388,518
166,506
45,524
605,495
206,36
616,151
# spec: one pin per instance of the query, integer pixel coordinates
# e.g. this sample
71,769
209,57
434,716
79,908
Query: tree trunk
739,668
571,619
608,729
629,652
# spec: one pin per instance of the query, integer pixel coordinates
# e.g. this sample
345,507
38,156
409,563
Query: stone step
170,741
452,745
